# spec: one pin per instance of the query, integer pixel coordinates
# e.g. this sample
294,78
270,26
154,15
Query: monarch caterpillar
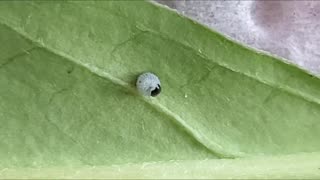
148,84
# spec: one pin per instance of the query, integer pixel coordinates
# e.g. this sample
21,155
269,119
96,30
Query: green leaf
69,108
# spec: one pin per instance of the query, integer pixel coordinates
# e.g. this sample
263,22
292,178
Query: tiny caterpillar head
148,84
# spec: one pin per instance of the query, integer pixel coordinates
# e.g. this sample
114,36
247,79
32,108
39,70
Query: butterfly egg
148,84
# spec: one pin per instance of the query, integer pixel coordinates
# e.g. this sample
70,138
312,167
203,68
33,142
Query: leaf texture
67,96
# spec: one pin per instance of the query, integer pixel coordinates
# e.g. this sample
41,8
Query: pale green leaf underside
67,96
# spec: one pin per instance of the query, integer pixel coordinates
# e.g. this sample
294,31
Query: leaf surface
67,96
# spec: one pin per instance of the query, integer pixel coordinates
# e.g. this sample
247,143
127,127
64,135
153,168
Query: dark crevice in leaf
70,70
